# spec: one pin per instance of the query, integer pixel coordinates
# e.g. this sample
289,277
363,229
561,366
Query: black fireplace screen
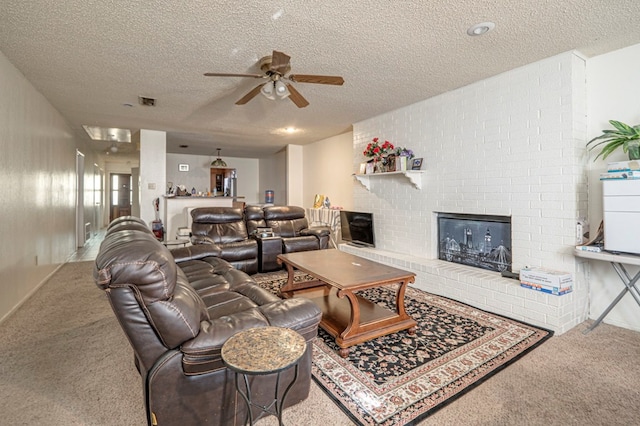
482,241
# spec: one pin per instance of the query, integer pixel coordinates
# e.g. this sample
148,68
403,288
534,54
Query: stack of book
546,281
622,170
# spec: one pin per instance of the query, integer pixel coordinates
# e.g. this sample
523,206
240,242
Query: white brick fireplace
511,145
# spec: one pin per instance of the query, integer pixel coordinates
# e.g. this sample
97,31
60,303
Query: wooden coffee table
348,317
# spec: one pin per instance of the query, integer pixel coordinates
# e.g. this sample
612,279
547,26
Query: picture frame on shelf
369,168
416,164
363,168
391,163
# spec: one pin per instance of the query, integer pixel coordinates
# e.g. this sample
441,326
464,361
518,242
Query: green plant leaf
621,136
625,129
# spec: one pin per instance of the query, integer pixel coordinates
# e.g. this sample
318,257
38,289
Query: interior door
120,195
80,224
97,198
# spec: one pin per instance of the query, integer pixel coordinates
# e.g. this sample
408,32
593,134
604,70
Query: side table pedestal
262,351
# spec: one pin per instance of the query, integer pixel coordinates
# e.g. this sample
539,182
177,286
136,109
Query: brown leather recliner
290,224
177,316
225,227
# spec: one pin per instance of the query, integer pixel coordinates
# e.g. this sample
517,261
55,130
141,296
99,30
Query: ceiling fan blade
296,97
224,74
252,94
317,79
280,62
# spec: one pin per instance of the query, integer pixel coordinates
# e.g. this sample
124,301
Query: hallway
90,249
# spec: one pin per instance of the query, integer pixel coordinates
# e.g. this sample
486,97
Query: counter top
217,197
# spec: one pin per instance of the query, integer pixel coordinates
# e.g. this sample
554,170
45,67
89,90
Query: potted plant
624,136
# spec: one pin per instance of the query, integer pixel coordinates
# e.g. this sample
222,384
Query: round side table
261,351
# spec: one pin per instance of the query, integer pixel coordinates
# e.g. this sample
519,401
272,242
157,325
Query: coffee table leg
285,290
353,326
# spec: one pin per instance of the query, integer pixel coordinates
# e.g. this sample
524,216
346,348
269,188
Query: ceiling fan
278,85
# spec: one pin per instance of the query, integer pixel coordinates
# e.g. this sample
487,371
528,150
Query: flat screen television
357,228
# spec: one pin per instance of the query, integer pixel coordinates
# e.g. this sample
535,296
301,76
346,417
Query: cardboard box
546,277
629,174
557,291
623,166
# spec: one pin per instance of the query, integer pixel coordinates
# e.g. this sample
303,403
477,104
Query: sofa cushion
131,256
286,221
239,250
292,245
178,319
226,303
221,224
254,218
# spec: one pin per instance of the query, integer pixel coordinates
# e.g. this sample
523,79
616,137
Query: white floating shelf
414,176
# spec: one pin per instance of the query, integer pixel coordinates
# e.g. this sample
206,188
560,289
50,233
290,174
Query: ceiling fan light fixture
268,90
113,148
281,89
218,162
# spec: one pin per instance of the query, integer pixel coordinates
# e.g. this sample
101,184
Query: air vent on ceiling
146,101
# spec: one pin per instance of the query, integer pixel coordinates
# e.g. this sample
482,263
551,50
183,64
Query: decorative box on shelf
414,176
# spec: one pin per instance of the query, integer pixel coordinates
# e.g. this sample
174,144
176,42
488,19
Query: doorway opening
121,195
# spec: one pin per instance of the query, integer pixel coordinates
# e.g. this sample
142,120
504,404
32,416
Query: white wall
199,175
613,90
272,175
153,159
327,170
294,175
510,145
37,166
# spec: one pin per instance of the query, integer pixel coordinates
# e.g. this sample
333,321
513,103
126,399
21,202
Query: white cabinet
621,203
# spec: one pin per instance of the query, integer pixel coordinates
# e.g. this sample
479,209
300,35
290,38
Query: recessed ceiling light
481,28
285,131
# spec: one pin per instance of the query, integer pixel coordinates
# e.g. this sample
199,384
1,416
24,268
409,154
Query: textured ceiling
89,58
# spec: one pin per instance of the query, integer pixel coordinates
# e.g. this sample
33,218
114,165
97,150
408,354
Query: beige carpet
65,361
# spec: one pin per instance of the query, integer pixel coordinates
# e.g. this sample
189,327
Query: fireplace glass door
483,241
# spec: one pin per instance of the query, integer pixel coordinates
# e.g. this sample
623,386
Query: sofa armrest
202,353
318,231
195,252
299,314
201,239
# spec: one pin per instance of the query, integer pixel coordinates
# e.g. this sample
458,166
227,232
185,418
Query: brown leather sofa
291,224
177,308
225,228
233,231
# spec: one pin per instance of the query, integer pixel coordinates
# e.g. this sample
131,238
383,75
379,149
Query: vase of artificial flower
378,152
403,155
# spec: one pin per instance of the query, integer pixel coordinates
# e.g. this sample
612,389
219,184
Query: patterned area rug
399,379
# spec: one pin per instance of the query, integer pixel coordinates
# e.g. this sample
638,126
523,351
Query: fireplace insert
483,241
